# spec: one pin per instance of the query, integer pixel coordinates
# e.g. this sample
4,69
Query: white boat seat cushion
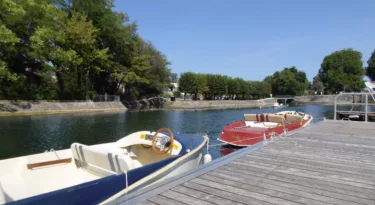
133,151
250,117
101,158
293,118
264,118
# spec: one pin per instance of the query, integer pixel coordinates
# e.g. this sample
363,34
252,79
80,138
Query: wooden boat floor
331,162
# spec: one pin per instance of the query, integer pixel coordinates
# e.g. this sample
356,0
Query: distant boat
91,174
277,105
370,86
257,127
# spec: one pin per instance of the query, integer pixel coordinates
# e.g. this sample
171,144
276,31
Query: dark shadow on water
227,149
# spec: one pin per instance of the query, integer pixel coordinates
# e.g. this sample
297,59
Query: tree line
72,49
214,86
340,71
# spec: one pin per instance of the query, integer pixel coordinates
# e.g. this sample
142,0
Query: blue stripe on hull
96,191
92,192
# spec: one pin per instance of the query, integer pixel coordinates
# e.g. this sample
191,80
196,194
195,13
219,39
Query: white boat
91,174
276,105
258,127
370,86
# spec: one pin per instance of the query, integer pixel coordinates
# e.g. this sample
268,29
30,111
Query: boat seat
293,118
250,117
264,118
101,160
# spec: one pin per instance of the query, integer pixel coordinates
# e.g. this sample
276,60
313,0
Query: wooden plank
362,139
342,175
368,182
304,180
147,203
184,198
319,162
291,188
362,150
48,163
322,168
333,144
162,200
282,192
340,131
318,184
225,194
330,153
350,140
315,175
315,158
266,191
327,154
244,192
204,196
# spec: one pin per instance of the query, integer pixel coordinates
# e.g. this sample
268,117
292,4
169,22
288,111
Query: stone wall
49,107
322,99
220,104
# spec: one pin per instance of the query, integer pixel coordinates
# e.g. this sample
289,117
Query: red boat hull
238,134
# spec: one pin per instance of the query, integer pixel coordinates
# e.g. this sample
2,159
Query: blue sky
252,39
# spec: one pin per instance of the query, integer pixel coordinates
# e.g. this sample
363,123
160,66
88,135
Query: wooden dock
331,162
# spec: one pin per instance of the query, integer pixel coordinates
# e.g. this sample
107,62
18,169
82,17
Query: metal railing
360,102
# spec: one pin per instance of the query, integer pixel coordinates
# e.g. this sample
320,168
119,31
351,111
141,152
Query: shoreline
51,112
29,108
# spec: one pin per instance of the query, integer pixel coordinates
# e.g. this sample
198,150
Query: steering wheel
160,149
300,113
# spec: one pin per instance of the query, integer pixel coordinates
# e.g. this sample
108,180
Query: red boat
255,127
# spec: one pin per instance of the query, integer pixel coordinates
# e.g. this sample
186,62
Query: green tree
342,70
187,83
233,87
370,69
132,63
243,88
18,22
90,47
69,44
289,81
174,78
201,84
318,84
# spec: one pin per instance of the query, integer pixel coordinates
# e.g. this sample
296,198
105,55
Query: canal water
24,135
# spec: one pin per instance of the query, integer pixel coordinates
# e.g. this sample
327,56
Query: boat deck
331,162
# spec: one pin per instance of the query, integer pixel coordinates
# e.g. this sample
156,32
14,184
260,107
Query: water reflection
23,135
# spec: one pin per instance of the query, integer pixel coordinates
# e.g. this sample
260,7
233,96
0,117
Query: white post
285,132
264,138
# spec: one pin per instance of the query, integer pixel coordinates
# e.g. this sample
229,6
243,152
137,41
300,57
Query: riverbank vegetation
341,70
289,81
70,49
